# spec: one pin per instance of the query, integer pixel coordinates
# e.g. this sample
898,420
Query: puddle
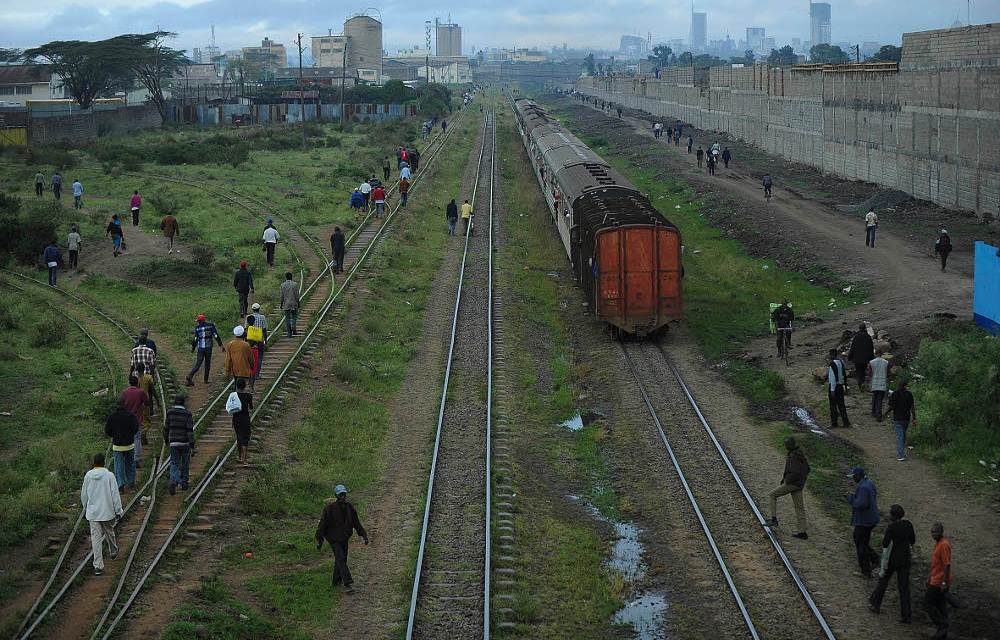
581,420
645,612
803,417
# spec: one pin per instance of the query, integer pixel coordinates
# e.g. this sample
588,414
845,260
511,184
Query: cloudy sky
512,22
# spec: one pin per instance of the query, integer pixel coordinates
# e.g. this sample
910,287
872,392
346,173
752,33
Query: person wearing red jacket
135,203
378,195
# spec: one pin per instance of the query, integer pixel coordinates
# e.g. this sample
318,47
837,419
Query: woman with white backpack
239,405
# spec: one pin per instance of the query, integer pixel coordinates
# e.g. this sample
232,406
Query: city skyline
518,23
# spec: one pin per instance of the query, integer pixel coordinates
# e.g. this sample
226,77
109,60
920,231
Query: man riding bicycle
767,187
784,318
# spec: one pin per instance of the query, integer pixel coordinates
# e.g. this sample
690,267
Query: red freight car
625,253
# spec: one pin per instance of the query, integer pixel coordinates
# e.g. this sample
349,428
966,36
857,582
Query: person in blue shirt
357,200
77,195
149,341
51,256
864,517
204,332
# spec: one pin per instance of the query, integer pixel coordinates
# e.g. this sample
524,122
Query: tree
685,59
589,60
243,70
9,55
888,53
600,68
146,57
87,69
783,57
749,58
662,55
708,60
828,53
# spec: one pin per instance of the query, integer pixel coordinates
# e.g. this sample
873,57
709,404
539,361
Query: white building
20,83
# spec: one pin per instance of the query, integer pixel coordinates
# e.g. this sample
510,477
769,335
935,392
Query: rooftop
24,74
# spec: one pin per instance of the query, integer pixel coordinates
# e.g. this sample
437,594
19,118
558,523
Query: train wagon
625,254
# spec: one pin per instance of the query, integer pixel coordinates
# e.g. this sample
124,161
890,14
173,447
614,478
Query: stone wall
85,126
930,128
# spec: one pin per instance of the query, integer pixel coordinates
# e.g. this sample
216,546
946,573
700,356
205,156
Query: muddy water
807,421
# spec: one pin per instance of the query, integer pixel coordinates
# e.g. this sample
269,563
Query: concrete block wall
932,129
89,125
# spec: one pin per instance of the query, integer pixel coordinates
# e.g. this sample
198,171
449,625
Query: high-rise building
820,26
196,55
633,46
449,39
358,51
699,30
755,38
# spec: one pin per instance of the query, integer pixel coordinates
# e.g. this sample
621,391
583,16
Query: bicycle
783,345
767,193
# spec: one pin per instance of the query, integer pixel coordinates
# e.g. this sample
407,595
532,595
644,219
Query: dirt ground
906,288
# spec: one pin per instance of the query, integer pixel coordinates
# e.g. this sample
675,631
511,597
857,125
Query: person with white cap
271,238
864,518
336,526
239,356
943,247
102,506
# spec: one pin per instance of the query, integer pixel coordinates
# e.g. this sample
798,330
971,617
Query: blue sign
986,292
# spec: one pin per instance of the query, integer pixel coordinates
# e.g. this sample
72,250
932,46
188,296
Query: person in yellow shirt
467,216
147,385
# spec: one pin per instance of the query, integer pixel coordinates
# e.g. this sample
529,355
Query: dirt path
906,287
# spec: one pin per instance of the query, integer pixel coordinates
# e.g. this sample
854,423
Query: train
625,254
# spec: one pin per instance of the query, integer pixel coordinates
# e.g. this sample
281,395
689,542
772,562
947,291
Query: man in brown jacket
170,229
336,526
239,357
792,482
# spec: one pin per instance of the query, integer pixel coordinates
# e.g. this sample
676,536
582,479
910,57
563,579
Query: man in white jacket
102,506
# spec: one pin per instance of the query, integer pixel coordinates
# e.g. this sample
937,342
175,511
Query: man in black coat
792,482
121,426
338,523
862,352
337,245
243,282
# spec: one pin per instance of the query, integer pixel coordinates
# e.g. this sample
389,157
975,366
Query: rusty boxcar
625,253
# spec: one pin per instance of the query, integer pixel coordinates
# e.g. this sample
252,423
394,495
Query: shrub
49,331
51,155
162,272
10,313
35,221
202,255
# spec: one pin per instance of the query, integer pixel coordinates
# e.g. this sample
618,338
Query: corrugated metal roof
24,74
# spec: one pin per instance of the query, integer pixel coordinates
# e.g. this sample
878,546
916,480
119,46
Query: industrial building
357,52
820,25
449,40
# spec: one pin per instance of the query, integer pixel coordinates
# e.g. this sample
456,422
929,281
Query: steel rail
444,396
746,494
220,463
489,396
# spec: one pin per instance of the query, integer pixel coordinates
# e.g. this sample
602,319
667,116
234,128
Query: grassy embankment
339,438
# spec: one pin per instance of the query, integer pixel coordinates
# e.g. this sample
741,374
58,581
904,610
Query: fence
260,113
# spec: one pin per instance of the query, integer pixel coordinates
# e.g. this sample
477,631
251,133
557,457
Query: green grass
761,386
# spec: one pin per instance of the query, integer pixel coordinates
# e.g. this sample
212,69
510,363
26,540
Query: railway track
366,238
760,578
450,597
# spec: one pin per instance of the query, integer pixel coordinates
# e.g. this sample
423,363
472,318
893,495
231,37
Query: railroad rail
422,572
638,378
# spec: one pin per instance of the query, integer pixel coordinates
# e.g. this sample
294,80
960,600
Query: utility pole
427,64
343,81
302,93
857,53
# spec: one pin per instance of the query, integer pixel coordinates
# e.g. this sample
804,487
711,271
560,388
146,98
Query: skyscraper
449,39
699,29
755,38
820,25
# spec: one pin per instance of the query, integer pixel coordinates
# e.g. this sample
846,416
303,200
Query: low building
415,51
317,75
20,83
194,75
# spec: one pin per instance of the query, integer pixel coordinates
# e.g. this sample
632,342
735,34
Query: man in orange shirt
934,599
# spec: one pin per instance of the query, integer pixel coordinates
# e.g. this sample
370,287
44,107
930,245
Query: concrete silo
364,50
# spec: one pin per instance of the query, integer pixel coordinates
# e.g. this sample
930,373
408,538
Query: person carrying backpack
943,247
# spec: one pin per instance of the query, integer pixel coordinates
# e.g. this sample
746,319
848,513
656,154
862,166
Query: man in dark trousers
337,244
942,248
336,526
935,597
204,332
784,318
700,154
243,282
864,518
836,378
726,156
862,352
385,169
792,482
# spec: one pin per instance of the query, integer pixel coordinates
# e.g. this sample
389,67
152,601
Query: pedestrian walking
415,160
241,421
861,353
77,195
726,157
942,248
711,165
836,377
677,137
170,228
935,597
467,216
451,213
378,195
404,189
102,506
139,404
148,387
337,524
338,244
793,480
656,130
51,256
619,113
256,328
288,300
444,126
239,356
366,192
135,202
896,542
270,238
878,376
243,283
178,433
902,407
121,426
114,229
385,163
700,154
39,183
144,333
204,333
871,224
74,244
404,173
864,517
57,185
142,353
690,143
357,202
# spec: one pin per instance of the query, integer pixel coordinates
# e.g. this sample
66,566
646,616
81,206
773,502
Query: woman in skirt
241,420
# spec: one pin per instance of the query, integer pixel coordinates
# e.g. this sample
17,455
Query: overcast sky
522,23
